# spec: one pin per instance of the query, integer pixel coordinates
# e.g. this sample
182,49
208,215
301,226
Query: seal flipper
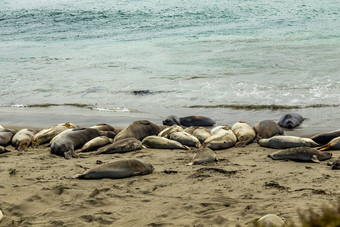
325,147
70,154
315,159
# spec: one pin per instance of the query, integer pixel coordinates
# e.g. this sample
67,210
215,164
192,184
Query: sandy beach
37,189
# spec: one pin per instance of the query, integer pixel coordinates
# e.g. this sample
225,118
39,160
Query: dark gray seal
188,121
65,145
336,164
291,120
267,128
117,169
334,144
3,150
324,138
301,154
138,130
6,136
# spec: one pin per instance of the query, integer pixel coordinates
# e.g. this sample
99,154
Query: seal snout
290,124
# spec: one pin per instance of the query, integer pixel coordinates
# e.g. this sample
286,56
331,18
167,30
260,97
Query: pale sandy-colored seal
3,150
162,143
302,154
291,120
245,133
1,128
220,139
106,130
203,155
23,139
117,169
45,135
65,145
334,144
270,220
189,121
121,146
324,138
201,134
267,128
96,143
185,139
60,135
1,216
169,130
190,129
282,142
138,130
6,136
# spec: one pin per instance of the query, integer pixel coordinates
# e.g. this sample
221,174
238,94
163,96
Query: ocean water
93,61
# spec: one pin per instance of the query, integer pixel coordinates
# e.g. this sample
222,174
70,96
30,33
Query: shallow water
118,61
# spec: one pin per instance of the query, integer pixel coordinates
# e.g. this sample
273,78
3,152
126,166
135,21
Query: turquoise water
226,59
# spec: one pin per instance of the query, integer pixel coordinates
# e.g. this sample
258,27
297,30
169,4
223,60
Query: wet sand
37,189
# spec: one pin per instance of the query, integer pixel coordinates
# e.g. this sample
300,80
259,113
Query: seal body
6,136
291,120
334,144
220,139
244,133
201,134
138,130
3,150
185,139
162,143
1,216
96,143
169,130
267,129
324,138
302,154
121,146
45,135
117,169
270,220
23,139
282,142
188,121
65,145
203,156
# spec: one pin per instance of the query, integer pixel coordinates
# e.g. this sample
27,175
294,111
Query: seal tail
325,147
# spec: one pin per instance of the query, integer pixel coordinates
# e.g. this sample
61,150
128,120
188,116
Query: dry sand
37,189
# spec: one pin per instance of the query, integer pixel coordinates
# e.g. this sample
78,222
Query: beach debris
302,154
117,169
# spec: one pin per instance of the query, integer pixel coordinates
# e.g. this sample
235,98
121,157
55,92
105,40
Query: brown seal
121,146
117,170
267,128
138,130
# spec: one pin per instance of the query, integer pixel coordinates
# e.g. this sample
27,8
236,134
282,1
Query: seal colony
202,144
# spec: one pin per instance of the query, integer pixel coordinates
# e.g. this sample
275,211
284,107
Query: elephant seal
190,129
291,120
201,134
103,127
1,128
121,146
244,133
270,220
334,144
203,156
60,135
45,135
188,121
185,139
117,170
336,164
138,130
267,128
23,139
324,138
220,139
1,216
169,130
3,150
282,142
6,136
65,145
162,143
302,154
96,143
